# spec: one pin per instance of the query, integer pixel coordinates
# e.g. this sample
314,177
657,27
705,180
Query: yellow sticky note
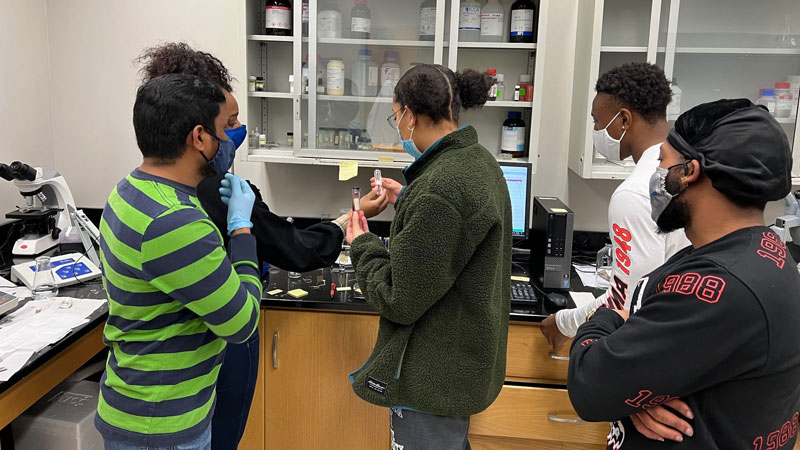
346,288
524,279
385,159
274,292
297,293
347,170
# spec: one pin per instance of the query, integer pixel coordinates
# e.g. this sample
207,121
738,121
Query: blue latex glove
236,193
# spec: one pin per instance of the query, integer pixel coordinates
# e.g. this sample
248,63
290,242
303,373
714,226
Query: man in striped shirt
175,298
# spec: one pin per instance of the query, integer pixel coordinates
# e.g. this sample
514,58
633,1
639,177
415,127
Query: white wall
25,124
92,47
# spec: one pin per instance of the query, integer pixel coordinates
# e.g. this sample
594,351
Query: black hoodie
718,327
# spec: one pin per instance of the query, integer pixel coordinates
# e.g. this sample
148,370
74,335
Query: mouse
556,300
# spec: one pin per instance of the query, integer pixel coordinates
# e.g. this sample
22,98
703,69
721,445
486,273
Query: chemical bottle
469,23
493,20
523,18
513,136
427,20
279,18
360,21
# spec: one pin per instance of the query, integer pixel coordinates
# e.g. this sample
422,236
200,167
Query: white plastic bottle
768,100
493,19
674,107
427,20
794,81
390,73
335,77
469,23
783,105
329,22
364,75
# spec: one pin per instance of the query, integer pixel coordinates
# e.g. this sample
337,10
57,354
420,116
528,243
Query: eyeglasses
392,119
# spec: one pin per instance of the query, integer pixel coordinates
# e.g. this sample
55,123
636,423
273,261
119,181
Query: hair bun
473,87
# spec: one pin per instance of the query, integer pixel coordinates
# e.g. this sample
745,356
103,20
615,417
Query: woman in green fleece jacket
442,289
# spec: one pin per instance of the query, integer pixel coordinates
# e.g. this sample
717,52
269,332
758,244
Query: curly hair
180,58
439,93
642,87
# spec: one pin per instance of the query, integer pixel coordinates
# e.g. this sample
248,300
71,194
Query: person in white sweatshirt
630,119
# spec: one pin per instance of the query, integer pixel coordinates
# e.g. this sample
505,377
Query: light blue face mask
408,144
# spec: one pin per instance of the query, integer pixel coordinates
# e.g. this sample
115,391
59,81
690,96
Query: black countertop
318,285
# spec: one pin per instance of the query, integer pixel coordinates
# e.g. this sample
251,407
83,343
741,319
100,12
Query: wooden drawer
499,443
530,357
532,413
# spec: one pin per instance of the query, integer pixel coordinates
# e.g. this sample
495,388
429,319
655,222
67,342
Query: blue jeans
201,443
235,387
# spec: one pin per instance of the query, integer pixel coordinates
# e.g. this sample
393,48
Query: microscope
45,218
787,226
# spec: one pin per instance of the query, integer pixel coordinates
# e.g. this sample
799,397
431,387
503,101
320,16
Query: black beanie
740,147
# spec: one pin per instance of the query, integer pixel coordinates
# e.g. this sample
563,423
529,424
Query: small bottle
356,198
493,20
290,138
259,84
320,86
252,141
525,88
469,23
335,77
513,136
390,73
360,21
279,18
767,99
305,18
523,16
516,92
262,141
427,20
251,83
501,88
329,22
304,75
379,181
783,104
674,107
493,89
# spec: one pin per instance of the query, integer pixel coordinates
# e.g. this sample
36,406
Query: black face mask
676,214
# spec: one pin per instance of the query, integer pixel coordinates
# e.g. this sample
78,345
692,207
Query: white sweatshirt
638,248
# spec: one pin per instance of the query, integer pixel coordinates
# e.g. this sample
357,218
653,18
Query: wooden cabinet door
253,438
309,402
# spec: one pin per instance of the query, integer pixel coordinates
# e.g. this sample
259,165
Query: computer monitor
518,180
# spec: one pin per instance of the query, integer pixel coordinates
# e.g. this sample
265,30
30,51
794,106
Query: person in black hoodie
718,325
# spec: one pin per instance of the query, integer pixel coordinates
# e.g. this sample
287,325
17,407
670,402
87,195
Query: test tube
356,198
379,181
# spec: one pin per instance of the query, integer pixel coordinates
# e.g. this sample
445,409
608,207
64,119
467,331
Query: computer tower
551,243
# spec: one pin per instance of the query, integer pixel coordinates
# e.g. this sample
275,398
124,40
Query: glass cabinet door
737,49
354,55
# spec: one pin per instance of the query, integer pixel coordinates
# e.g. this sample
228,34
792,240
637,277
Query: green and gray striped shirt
175,299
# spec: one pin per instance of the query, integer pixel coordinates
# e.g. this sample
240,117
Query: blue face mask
223,160
237,135
408,144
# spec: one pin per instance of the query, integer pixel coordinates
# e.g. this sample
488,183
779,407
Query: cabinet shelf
509,104
288,95
737,51
285,155
497,45
351,98
374,42
622,49
268,38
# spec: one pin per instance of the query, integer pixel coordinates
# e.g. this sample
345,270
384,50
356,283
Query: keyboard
522,292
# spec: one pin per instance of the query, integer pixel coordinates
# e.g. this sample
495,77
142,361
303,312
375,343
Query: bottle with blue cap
364,75
512,141
390,73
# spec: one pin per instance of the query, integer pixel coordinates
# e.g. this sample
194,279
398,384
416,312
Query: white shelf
622,49
351,98
267,38
282,157
737,51
610,171
508,104
374,42
271,95
497,45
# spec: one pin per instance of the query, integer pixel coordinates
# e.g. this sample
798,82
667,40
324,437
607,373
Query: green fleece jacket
443,288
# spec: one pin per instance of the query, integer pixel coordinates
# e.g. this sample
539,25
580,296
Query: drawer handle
559,419
559,357
275,350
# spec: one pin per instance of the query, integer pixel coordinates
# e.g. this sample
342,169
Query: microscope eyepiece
23,171
6,173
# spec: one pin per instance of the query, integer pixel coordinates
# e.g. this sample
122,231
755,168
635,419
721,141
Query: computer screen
518,180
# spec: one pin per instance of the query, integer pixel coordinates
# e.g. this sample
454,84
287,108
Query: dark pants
235,387
413,430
